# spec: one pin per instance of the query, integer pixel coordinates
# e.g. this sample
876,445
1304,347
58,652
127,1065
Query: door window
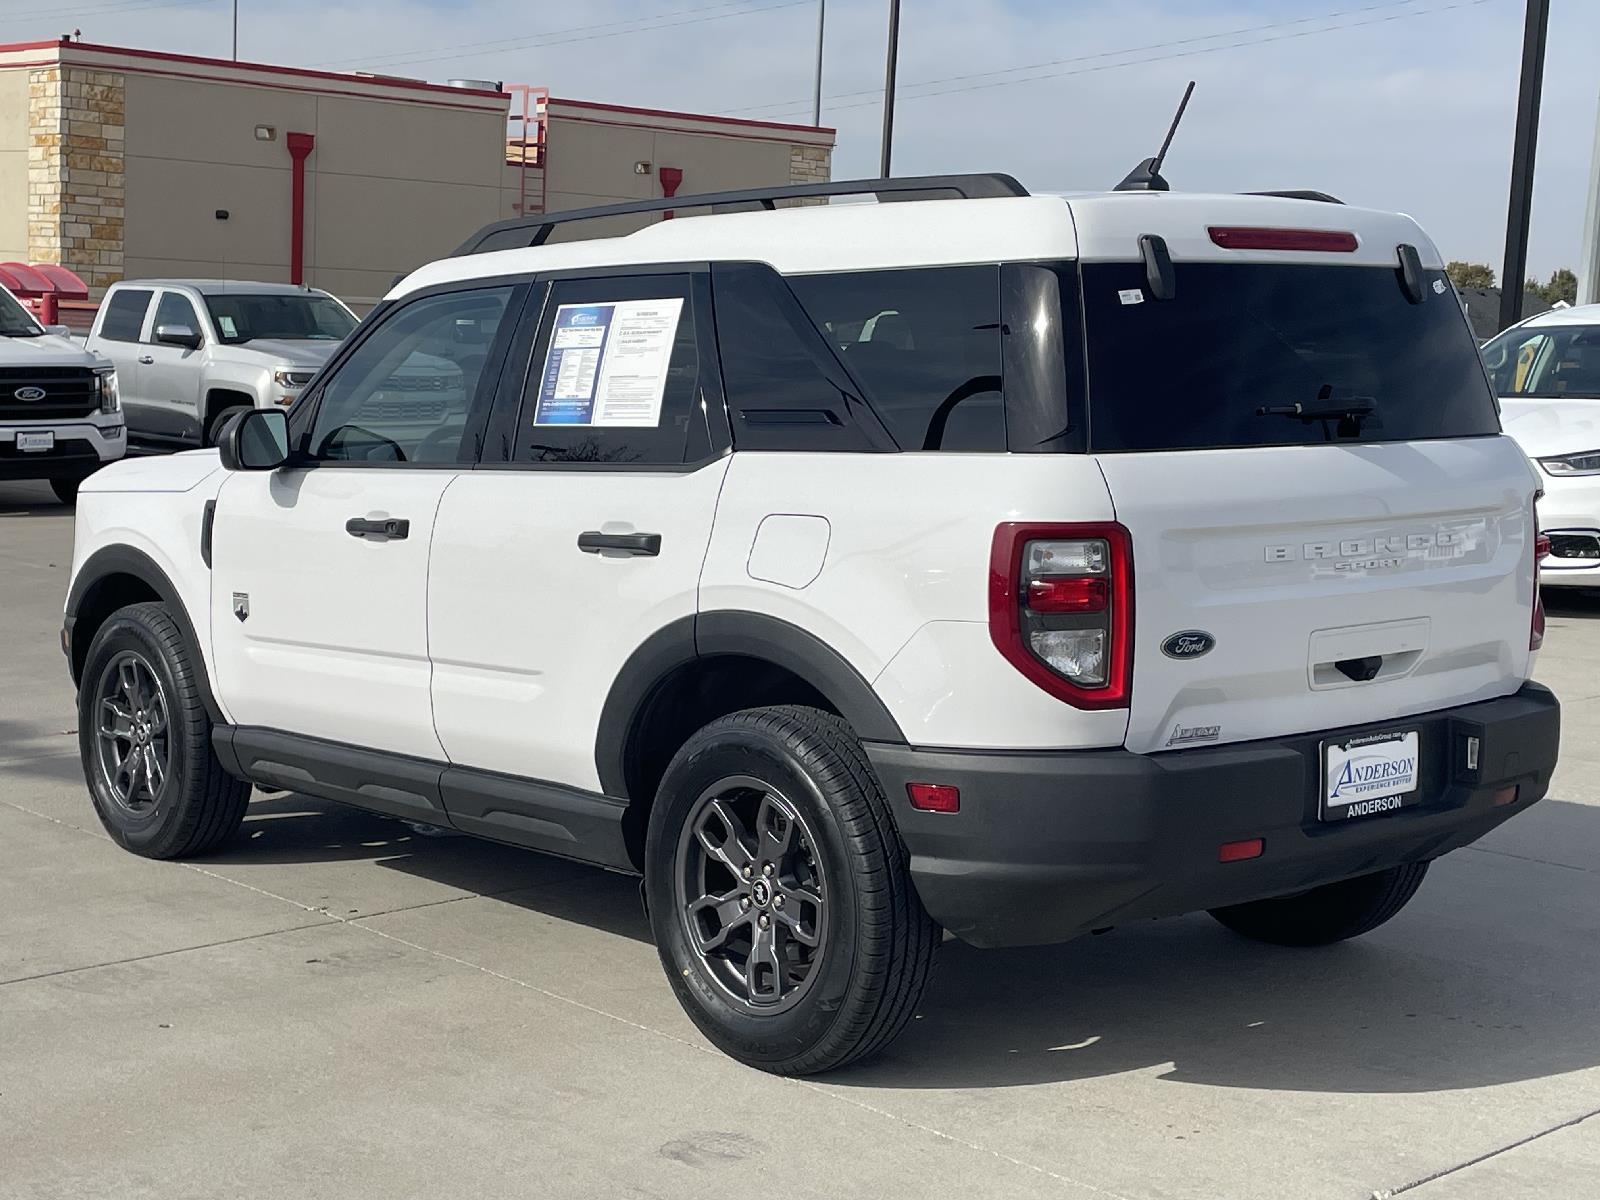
405,393
124,319
615,375
174,309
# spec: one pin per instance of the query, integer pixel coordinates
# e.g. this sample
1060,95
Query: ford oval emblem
1190,643
29,393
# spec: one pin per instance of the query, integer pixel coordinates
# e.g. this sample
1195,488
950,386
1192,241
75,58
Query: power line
1057,62
125,6
557,37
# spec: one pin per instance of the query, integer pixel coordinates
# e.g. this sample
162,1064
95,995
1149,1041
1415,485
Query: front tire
66,490
145,740
1332,913
779,894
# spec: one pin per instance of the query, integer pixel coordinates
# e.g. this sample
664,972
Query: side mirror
59,330
178,335
255,440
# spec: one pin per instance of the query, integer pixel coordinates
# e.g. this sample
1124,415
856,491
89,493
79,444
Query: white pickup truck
59,417
192,352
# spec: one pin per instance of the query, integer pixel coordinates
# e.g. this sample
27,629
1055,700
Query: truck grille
67,392
405,408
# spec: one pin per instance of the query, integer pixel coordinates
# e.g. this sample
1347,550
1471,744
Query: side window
786,390
124,317
173,309
925,343
405,392
615,375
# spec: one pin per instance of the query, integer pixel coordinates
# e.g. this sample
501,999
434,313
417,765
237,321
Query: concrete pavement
338,1007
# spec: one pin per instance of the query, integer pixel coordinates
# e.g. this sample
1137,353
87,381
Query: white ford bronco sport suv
59,415
1014,566
191,353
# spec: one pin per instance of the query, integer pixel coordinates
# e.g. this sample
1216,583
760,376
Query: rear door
1326,570
319,603
551,567
117,336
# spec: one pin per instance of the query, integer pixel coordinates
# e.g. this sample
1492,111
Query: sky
1396,104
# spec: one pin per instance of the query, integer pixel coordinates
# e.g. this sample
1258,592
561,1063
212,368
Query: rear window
1191,372
925,344
124,315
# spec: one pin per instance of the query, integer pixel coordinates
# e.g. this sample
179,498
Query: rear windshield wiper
1349,412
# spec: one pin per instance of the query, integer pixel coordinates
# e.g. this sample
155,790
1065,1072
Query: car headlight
1586,462
293,380
105,387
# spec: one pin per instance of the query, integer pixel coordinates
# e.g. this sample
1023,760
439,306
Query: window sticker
228,327
1131,296
607,363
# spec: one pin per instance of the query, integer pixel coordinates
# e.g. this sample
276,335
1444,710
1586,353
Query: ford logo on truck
1190,643
29,393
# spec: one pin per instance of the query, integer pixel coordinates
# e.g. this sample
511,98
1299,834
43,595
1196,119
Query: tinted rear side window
1190,373
925,344
125,315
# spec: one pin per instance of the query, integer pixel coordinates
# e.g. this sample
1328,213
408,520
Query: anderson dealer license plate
1367,775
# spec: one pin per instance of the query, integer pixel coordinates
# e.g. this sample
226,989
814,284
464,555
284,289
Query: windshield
303,317
1546,361
1191,372
14,319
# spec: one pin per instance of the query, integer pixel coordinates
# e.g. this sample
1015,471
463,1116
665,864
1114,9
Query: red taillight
1541,551
1061,608
1251,237
934,797
1070,595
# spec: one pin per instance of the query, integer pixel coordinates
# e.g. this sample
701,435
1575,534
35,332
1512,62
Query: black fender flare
111,561
731,632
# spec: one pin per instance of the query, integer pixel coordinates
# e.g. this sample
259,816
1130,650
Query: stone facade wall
810,164
75,172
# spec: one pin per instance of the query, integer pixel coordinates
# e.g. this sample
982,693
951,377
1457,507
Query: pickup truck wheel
66,490
1332,913
145,740
214,430
779,893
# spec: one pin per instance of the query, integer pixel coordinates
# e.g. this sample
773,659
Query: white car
190,353
1009,565
1546,371
60,419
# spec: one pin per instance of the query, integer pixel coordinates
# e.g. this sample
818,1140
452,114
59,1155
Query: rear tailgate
1297,559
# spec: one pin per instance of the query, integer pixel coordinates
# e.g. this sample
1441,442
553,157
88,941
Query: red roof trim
688,116
269,68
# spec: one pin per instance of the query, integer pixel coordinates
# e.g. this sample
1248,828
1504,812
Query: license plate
29,442
1369,775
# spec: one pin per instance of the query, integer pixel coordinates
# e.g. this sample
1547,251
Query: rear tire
819,961
1332,913
66,490
145,740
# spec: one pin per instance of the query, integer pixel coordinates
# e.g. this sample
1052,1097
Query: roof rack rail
1300,194
535,230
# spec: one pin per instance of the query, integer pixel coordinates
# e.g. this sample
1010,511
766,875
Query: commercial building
122,163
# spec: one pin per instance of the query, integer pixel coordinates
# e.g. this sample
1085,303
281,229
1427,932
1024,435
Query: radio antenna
1146,177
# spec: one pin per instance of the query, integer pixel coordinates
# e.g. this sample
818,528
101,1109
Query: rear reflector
1240,851
934,797
1081,595
1506,795
1249,237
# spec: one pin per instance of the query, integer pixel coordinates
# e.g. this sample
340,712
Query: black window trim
303,414
499,442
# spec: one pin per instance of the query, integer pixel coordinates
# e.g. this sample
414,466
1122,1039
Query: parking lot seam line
1385,1194
122,962
1543,862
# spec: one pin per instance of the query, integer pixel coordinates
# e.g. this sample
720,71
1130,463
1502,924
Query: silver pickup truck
192,352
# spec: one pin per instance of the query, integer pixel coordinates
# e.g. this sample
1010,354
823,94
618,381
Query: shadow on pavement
1571,602
31,499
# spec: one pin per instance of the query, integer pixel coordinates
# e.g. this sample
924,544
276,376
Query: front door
319,580
169,377
549,570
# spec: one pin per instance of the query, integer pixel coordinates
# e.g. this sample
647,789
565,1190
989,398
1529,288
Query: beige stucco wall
388,186
13,165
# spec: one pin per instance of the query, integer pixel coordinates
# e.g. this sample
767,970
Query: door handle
394,528
146,359
645,544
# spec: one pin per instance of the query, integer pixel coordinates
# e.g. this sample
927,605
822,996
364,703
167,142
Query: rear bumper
1051,845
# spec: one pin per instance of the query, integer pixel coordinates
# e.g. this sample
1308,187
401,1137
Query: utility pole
816,100
235,30
1589,268
1534,35
888,87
